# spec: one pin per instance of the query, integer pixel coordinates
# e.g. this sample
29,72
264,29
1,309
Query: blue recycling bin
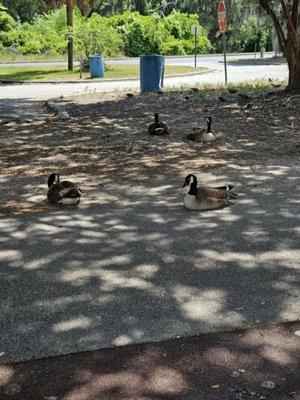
96,66
152,68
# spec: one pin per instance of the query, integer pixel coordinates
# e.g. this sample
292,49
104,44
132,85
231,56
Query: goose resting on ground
204,198
65,192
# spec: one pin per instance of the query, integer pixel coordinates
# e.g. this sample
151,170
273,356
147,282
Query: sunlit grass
61,73
251,88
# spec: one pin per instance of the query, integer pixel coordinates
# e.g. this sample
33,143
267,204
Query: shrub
248,32
141,34
94,35
7,23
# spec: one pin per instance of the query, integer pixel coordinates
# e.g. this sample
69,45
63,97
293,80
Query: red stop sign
222,20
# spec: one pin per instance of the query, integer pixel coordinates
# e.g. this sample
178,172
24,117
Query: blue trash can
96,66
152,70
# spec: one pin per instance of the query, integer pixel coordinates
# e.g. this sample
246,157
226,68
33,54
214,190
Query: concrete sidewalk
137,267
22,110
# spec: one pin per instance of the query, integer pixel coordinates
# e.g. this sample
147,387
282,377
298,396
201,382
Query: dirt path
256,364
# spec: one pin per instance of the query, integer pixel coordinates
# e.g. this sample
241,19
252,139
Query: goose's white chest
208,137
190,202
68,201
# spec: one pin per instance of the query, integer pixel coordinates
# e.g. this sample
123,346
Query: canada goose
203,135
64,192
158,128
204,198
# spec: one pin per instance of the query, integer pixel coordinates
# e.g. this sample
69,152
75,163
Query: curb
88,81
57,109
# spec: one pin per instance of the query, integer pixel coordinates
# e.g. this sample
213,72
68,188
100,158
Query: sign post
222,20
195,29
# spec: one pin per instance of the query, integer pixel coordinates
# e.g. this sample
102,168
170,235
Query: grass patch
211,91
60,73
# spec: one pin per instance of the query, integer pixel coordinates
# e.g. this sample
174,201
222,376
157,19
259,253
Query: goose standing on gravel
65,192
158,128
204,198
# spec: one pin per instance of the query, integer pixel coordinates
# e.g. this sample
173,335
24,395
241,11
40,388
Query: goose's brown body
206,198
64,192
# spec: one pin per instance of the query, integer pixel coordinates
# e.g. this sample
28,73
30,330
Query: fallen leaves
268,384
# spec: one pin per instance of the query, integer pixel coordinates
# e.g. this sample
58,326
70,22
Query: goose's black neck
156,118
193,188
209,121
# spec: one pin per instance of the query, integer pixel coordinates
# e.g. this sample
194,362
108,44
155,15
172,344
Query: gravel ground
107,140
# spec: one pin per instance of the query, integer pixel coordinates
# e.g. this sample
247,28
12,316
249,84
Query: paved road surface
137,267
236,73
25,101
184,60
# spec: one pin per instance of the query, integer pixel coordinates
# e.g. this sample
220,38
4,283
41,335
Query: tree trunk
140,6
293,60
70,37
289,40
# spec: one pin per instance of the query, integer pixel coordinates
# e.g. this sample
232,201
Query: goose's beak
184,185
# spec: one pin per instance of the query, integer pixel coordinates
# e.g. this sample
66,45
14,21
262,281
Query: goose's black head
209,122
53,178
191,181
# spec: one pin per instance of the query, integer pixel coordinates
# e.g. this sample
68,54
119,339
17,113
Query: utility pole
69,4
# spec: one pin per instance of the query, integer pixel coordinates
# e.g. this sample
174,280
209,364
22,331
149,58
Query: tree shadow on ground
130,264
213,366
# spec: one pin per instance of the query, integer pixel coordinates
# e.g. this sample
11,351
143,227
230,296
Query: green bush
140,34
248,33
94,35
7,23
180,40
129,34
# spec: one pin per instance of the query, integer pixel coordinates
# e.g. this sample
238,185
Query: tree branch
290,26
162,6
266,6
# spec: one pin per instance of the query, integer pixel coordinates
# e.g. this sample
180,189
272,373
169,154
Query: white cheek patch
191,180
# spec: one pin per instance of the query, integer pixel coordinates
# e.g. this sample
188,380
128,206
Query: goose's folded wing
213,193
58,192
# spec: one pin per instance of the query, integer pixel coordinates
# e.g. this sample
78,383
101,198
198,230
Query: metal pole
195,47
81,62
255,50
225,60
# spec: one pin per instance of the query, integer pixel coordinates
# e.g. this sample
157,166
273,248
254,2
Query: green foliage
130,34
95,36
24,10
180,40
152,34
248,33
7,23
140,34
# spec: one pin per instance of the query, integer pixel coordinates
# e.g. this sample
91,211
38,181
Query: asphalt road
236,73
184,60
137,267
